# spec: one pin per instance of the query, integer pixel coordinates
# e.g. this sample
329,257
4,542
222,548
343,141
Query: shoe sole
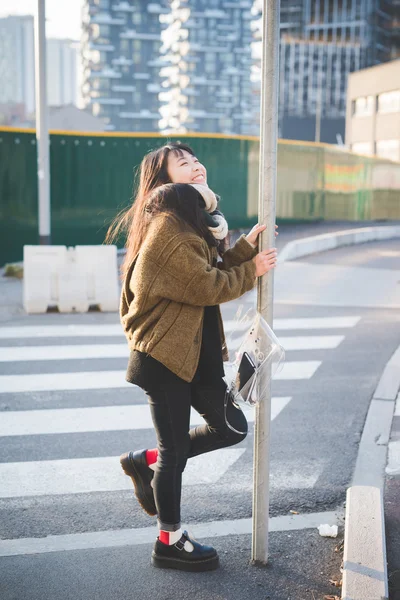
130,470
163,562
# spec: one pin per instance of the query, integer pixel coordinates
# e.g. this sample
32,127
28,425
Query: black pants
170,409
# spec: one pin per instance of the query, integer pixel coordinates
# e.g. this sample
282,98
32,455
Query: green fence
92,178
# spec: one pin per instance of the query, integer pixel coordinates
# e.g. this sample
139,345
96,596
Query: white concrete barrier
72,279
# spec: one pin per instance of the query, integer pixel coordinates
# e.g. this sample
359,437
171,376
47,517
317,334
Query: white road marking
97,380
303,369
61,331
76,351
312,342
104,474
83,380
316,323
393,465
107,330
98,418
85,351
146,535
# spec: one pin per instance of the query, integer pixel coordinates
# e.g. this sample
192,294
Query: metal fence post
42,130
266,212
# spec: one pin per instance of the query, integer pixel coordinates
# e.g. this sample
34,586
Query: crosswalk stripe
113,538
393,464
98,418
89,475
95,380
316,323
78,351
114,329
84,351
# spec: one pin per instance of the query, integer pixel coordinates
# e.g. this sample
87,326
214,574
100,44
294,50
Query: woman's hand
265,261
252,237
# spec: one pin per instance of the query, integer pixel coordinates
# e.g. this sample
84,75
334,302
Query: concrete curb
365,567
329,241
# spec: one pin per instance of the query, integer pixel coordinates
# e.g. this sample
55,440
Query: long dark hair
135,220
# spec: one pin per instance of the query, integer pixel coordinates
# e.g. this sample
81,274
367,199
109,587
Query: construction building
322,41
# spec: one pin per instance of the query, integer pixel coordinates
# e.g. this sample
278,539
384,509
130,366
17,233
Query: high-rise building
121,42
17,62
17,66
62,72
206,78
322,41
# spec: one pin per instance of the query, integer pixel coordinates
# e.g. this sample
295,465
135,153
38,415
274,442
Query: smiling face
186,168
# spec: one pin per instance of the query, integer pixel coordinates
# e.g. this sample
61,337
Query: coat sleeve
186,276
239,253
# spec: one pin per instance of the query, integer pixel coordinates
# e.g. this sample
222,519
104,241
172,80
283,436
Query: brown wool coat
168,286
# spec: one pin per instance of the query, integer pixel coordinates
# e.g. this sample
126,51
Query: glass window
137,18
362,148
363,107
136,44
388,149
389,102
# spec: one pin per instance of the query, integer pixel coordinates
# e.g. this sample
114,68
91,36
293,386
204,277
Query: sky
62,16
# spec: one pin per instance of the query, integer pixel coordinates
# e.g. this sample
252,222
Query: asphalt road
59,474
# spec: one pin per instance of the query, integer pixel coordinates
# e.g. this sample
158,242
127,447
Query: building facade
62,72
17,62
322,41
206,77
121,62
373,111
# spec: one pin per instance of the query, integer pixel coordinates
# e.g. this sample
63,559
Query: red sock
164,537
151,456
170,537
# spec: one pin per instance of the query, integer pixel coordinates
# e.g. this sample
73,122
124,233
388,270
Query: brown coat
168,286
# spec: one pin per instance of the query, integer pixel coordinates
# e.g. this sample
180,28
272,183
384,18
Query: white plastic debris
328,530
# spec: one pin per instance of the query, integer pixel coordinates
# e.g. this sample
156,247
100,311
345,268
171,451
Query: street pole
42,132
266,212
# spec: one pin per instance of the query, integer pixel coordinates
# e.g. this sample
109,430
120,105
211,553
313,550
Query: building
322,41
62,72
17,63
206,77
17,68
121,60
373,111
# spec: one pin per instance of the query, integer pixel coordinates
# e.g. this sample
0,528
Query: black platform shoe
135,466
202,558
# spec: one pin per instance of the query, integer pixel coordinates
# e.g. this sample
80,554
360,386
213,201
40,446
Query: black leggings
170,409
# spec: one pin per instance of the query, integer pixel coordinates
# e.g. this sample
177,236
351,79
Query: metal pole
266,211
42,132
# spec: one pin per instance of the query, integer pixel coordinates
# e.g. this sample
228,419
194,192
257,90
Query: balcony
101,47
141,76
123,7
131,34
122,61
105,73
157,9
143,114
123,88
109,101
107,19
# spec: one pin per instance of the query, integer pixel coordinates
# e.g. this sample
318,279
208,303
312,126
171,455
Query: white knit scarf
221,231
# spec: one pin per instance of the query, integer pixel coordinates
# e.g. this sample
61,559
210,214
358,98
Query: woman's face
185,168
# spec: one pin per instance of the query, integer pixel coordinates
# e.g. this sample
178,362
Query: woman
174,281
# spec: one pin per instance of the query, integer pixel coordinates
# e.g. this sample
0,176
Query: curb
365,568
329,241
